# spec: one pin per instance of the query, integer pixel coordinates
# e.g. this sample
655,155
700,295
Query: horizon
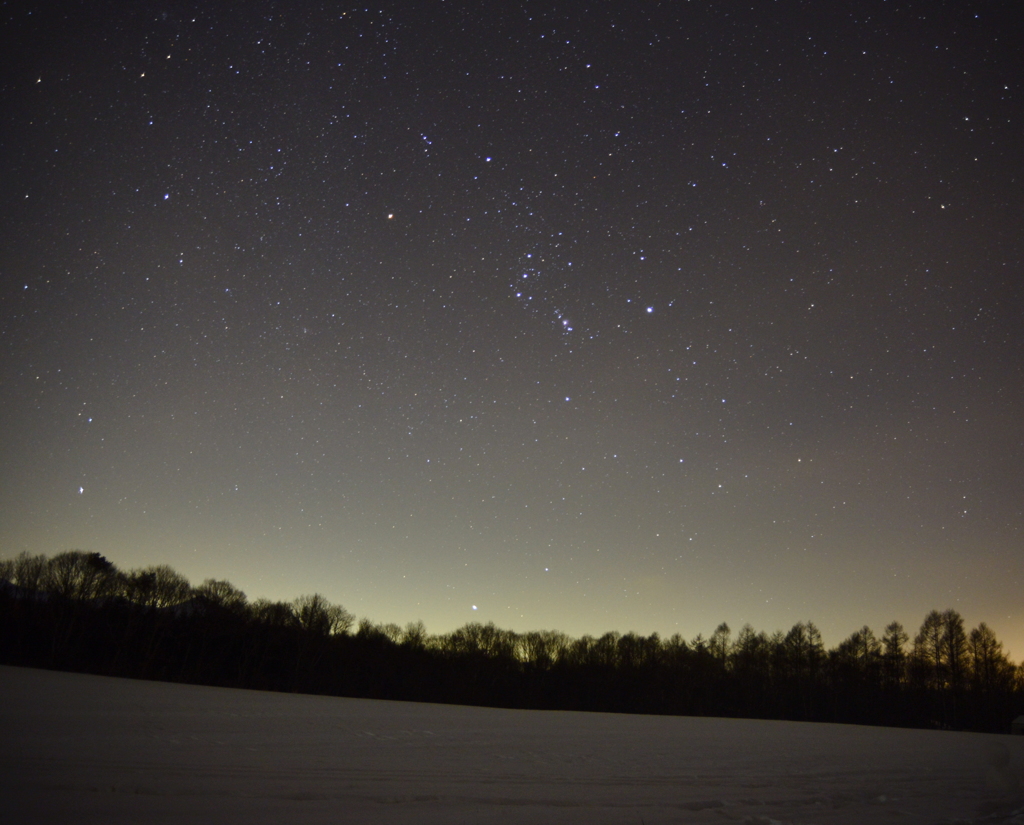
828,642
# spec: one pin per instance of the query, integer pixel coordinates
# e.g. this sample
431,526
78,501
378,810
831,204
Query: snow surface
77,748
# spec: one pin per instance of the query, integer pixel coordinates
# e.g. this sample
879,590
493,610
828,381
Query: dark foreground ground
77,748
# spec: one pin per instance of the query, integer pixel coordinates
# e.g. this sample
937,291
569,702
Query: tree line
78,611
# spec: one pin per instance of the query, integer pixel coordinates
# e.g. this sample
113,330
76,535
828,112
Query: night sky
608,316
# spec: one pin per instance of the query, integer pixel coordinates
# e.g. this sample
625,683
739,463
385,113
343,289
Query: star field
596,318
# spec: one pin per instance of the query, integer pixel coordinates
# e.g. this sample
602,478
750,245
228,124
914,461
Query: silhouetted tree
674,650
928,651
580,652
894,656
392,632
719,643
862,651
606,649
28,571
222,594
630,651
498,643
804,655
389,634
856,677
750,655
543,648
75,574
804,649
318,616
464,641
939,664
415,635
990,668
274,614
158,587
954,648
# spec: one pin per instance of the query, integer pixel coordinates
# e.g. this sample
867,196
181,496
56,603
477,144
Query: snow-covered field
77,748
